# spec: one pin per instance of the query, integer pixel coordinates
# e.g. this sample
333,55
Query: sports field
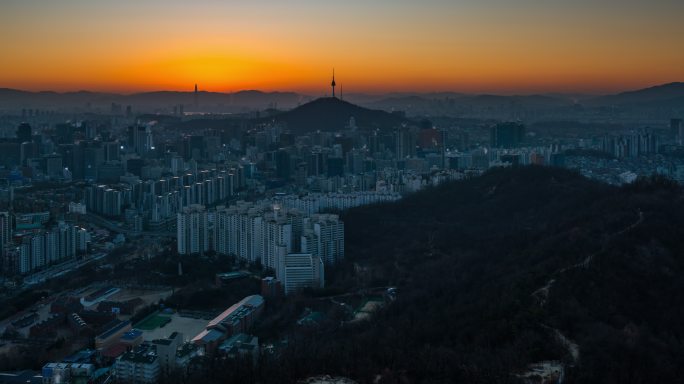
153,321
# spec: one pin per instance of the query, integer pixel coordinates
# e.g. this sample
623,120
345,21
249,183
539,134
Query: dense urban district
182,237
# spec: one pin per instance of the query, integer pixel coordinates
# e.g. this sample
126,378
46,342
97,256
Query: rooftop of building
80,356
114,351
138,357
239,342
208,336
131,335
232,275
21,377
113,329
249,302
185,350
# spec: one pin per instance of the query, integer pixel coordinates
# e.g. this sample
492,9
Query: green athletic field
153,321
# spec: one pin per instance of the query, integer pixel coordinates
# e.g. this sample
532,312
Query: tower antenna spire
195,95
332,84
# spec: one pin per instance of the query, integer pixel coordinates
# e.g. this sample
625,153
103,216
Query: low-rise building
240,345
112,334
238,318
140,366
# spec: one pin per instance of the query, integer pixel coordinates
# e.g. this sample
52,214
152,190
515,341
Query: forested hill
516,267
331,114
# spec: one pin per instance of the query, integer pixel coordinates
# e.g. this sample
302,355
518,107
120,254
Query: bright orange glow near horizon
381,46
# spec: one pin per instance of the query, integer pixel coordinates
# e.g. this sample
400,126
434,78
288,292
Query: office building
24,132
507,135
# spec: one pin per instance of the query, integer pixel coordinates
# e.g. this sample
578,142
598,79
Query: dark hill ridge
671,94
664,95
494,272
324,114
333,114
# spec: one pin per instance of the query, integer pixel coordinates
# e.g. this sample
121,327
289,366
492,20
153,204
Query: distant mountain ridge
241,99
664,95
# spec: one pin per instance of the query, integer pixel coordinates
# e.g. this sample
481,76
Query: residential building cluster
278,238
28,250
633,145
157,201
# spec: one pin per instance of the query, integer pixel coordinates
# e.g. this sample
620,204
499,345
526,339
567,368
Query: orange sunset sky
500,46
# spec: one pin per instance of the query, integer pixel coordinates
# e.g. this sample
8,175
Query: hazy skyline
375,46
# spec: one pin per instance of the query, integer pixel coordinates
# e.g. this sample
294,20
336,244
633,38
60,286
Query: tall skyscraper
196,96
24,132
675,124
677,129
405,143
507,135
5,229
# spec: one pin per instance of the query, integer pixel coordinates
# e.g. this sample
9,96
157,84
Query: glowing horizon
487,46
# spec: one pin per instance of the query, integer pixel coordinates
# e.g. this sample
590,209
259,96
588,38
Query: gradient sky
502,46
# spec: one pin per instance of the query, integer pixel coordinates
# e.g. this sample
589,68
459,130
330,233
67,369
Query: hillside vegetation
495,273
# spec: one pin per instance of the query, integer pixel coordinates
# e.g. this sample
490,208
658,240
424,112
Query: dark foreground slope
489,268
506,270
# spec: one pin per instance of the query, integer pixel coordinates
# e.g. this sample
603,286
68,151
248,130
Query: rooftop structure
238,318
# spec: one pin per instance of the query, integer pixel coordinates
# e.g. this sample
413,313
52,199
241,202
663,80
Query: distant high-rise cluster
104,200
36,249
320,202
637,144
158,201
140,138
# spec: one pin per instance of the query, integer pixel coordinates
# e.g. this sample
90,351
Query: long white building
300,270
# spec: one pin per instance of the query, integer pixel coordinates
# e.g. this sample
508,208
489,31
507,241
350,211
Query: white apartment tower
324,237
251,238
192,230
277,233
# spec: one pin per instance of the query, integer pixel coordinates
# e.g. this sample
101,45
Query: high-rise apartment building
192,230
324,237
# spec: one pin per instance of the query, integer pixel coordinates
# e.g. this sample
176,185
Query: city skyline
320,192
483,47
